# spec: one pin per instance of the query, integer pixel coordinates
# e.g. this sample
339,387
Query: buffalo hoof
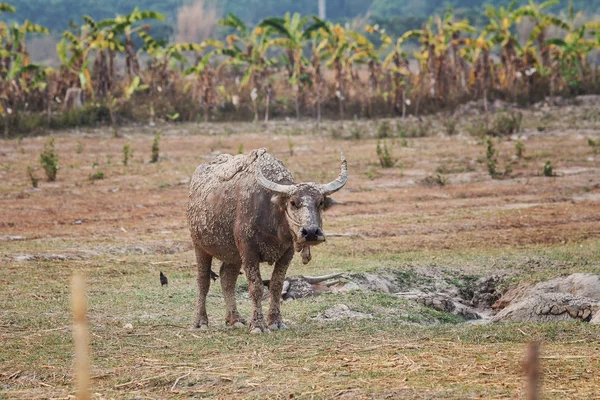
238,324
203,327
278,326
256,330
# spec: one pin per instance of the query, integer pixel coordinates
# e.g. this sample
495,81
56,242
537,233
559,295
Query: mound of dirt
576,296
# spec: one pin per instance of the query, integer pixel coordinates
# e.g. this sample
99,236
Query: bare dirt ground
122,230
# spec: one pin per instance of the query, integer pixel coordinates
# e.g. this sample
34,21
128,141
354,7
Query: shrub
519,148
477,128
32,177
336,133
155,148
491,157
79,148
548,169
385,158
450,126
49,160
384,130
96,176
507,123
355,133
595,145
291,145
127,153
241,148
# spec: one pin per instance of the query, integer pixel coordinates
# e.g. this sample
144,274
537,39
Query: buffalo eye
321,204
294,204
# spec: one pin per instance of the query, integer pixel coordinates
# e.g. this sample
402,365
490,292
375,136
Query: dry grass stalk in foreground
81,337
532,370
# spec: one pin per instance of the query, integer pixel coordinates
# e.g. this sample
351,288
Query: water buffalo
247,209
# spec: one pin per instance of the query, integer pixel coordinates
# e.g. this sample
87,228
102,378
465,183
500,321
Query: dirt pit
487,298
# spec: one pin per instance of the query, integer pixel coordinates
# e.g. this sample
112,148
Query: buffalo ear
279,200
329,202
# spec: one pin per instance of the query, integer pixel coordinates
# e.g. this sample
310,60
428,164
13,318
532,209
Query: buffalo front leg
255,288
229,274
204,261
274,320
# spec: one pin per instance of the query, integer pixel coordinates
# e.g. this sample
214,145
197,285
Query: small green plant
383,153
450,126
491,157
336,133
423,128
291,145
49,160
96,176
127,153
241,148
79,148
400,130
34,180
519,148
384,130
371,174
20,140
155,148
548,169
355,133
477,128
595,145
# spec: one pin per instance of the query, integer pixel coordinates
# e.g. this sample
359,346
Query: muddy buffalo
247,209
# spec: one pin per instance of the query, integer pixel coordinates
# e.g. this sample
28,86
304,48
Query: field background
122,230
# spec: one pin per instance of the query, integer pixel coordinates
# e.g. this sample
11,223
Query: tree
501,22
542,22
570,53
18,76
253,54
295,32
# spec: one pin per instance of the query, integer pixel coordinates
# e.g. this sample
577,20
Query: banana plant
204,73
249,48
542,22
294,32
20,80
500,27
335,51
570,53
123,25
396,62
438,37
477,52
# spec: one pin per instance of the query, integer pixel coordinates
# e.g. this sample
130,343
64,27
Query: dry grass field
122,230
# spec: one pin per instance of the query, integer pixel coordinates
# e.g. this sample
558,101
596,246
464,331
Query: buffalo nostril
319,232
304,232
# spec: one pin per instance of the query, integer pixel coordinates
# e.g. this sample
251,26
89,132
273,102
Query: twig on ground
178,379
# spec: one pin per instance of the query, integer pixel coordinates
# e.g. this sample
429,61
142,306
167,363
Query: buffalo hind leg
274,320
228,275
204,261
